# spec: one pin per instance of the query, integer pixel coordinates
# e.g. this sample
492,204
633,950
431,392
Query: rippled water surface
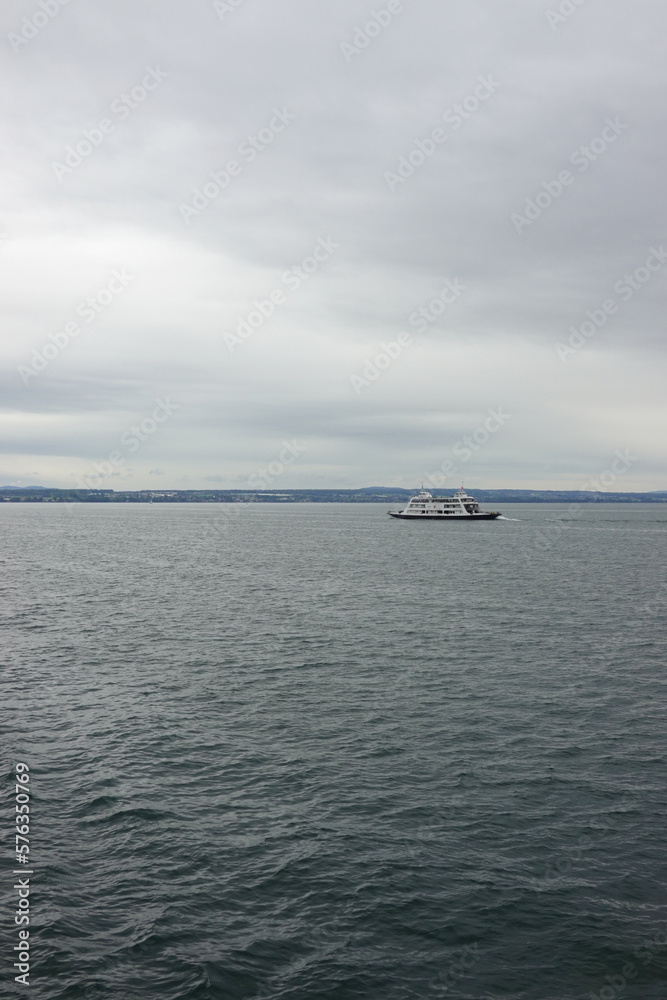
307,751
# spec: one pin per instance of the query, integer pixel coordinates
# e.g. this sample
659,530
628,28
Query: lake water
307,751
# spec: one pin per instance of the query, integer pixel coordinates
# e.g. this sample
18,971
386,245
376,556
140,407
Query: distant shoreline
368,494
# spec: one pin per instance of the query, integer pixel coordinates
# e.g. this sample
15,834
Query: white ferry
460,507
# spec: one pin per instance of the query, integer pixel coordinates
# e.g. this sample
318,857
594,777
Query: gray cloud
361,117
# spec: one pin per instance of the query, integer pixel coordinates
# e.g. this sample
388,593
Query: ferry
460,507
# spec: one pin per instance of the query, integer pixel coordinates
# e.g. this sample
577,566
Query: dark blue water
308,751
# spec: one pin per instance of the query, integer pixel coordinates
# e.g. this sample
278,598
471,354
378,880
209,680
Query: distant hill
365,494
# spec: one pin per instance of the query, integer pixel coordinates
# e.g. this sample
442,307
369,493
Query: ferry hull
446,517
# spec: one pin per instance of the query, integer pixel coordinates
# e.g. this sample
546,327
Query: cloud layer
362,227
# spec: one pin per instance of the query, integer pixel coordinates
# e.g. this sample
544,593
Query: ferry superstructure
460,507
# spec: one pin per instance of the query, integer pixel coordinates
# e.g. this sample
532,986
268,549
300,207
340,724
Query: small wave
141,815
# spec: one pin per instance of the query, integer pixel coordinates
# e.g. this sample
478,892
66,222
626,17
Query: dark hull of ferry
446,517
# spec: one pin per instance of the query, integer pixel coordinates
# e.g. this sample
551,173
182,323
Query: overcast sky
450,189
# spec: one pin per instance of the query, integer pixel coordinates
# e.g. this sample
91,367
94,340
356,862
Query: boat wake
503,518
